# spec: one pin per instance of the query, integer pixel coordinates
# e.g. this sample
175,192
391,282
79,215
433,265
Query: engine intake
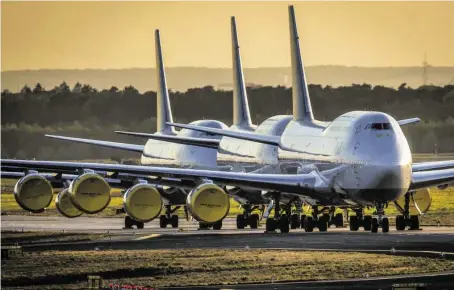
64,205
421,199
208,203
142,202
33,193
89,193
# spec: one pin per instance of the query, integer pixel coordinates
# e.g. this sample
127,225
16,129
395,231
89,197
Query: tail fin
302,109
241,115
164,112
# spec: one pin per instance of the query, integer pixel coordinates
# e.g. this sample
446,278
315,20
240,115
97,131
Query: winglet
302,109
164,112
241,114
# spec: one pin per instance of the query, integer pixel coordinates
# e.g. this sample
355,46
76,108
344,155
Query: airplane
360,159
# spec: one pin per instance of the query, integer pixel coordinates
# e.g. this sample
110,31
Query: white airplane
359,159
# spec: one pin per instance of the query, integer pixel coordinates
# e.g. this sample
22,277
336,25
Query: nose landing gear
381,220
169,217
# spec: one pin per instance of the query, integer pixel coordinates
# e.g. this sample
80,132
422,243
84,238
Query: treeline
86,112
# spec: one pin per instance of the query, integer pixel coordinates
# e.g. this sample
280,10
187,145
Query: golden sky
120,34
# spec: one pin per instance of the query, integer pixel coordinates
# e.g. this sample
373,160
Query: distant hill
182,78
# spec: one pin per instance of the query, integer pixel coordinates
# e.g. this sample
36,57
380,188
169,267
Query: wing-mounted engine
208,202
419,203
89,193
33,193
142,202
65,206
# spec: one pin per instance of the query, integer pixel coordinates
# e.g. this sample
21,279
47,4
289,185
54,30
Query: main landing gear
406,220
205,226
130,222
169,218
278,221
248,218
321,219
360,220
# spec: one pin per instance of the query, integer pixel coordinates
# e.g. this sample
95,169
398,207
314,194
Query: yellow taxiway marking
148,237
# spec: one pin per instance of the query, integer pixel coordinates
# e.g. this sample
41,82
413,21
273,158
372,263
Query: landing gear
381,220
130,222
169,218
407,220
279,221
360,220
248,218
205,226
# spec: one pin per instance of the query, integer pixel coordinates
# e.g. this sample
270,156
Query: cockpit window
378,126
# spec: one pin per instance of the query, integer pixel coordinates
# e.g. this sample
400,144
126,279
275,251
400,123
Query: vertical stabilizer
302,109
164,112
241,114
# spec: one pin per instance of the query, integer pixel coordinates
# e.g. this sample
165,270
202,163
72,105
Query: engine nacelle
208,203
421,199
142,202
33,193
89,193
65,206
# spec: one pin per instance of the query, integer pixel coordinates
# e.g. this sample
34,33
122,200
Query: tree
25,90
38,89
77,88
63,88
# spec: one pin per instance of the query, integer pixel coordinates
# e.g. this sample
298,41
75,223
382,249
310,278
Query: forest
83,111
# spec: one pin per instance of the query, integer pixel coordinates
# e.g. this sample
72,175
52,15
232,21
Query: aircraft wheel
270,225
162,221
294,221
128,222
240,222
400,223
339,220
374,227
354,223
309,224
414,222
284,224
254,221
385,225
140,225
367,223
217,225
174,221
323,223
303,217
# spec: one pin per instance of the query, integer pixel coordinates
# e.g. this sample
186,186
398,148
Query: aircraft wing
408,121
116,145
435,165
266,139
424,179
308,184
202,142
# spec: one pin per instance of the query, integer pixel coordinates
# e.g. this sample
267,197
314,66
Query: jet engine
33,193
142,202
64,205
89,193
419,199
208,203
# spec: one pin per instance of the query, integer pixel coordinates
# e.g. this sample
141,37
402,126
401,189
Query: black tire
385,225
400,223
303,217
284,224
240,222
254,221
294,221
174,221
354,223
270,225
309,224
217,225
128,222
203,226
374,228
163,221
414,222
140,225
339,220
367,222
323,223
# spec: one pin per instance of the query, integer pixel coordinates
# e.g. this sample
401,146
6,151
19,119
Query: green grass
161,268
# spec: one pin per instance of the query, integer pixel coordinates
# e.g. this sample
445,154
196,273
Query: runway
440,239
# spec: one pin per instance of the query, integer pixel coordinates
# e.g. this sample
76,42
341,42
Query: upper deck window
378,126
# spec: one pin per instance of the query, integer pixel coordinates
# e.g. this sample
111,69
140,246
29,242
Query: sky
106,35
